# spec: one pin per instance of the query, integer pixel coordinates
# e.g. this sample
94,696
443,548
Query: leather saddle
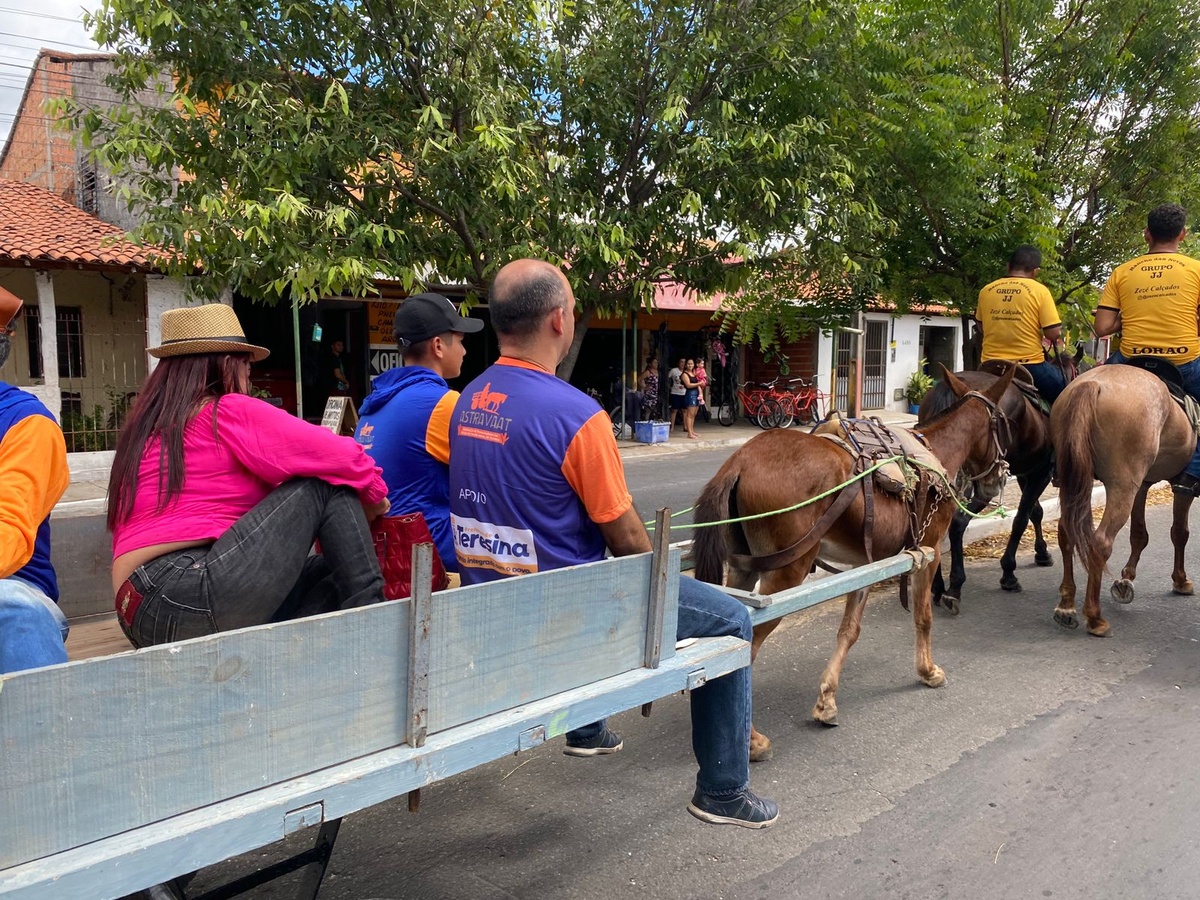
1168,374
1022,381
868,441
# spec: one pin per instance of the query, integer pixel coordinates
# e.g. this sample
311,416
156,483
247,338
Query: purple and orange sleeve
33,470
592,466
437,433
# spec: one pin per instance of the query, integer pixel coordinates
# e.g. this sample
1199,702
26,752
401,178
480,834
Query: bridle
998,422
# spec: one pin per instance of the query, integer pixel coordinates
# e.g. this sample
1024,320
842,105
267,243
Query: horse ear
1000,385
957,385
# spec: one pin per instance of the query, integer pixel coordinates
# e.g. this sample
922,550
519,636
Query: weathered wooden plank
659,578
93,748
128,862
499,645
818,590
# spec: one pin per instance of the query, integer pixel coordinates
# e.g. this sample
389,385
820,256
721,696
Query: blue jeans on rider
1190,372
1048,378
32,628
721,708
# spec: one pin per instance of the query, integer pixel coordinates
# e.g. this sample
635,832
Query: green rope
998,512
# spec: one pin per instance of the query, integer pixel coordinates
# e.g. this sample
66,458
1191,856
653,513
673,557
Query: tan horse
778,469
1118,424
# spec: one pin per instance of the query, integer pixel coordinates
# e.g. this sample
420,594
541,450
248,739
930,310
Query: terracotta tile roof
37,227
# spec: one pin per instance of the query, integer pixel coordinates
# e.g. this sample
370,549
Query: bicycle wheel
727,413
806,410
787,411
614,416
769,414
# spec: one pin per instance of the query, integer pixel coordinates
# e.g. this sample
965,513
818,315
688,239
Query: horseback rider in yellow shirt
1154,301
1015,314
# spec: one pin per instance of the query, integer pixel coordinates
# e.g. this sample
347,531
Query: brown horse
1118,424
779,469
1027,451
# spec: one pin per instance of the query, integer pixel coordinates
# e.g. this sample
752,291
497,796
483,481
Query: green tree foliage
327,143
991,123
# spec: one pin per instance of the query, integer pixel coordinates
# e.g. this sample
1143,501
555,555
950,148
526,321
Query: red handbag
395,537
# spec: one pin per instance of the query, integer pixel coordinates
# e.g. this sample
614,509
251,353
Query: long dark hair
173,395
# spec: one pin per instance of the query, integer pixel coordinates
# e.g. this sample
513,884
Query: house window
87,193
70,341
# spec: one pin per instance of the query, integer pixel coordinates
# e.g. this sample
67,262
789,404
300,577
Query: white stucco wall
901,360
163,293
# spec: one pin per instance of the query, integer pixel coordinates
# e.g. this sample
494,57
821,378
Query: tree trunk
567,366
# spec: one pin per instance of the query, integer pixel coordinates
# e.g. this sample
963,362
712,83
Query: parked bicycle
808,401
761,402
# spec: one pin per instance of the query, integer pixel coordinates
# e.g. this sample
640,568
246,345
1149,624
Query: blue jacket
404,425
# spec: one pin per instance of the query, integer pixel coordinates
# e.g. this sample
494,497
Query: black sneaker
605,742
746,809
1188,485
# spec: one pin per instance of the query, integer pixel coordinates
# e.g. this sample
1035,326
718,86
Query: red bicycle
761,403
808,401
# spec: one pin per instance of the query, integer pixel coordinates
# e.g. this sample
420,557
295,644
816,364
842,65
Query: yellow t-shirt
1013,312
1157,296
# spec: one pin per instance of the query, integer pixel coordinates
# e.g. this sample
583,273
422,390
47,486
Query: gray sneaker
746,809
605,742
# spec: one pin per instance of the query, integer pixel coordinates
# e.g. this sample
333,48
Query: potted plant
919,384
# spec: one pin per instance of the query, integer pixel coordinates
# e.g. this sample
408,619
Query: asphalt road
1052,764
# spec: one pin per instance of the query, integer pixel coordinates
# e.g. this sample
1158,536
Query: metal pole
624,368
296,345
637,355
856,386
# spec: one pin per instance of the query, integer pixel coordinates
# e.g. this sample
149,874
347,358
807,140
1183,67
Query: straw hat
10,305
211,328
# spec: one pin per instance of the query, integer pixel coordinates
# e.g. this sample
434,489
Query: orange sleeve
33,470
593,468
437,433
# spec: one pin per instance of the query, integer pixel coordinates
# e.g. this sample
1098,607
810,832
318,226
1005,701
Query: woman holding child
216,497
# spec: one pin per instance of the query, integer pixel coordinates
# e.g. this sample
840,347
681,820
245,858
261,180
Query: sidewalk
713,436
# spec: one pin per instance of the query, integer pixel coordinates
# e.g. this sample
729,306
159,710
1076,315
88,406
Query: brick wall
37,153
802,359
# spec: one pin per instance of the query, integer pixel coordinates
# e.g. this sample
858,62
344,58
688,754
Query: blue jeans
260,570
32,628
1049,379
721,708
1190,372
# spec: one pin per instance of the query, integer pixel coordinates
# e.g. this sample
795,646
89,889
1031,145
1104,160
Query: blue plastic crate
651,432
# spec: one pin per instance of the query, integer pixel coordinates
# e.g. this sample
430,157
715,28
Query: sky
26,26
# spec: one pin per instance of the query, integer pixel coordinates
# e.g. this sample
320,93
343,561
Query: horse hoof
1122,590
952,604
763,752
937,599
1044,560
1066,618
1010,584
1184,588
826,715
1100,629
934,679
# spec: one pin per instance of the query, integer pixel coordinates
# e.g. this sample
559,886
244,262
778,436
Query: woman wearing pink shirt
216,498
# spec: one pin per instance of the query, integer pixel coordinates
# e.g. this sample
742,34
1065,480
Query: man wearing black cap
404,423
33,469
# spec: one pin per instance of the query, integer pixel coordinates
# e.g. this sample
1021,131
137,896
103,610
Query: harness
868,441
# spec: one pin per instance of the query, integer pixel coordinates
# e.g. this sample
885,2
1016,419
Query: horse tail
709,546
1076,472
